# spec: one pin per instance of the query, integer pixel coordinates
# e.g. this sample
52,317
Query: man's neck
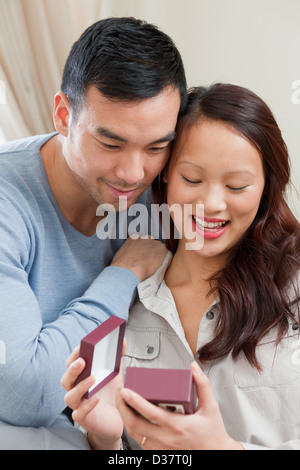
76,205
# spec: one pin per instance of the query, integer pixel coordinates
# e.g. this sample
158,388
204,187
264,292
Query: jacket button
210,315
295,326
150,349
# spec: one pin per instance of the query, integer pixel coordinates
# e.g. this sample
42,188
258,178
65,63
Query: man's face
116,149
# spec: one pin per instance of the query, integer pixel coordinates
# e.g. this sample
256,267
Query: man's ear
61,114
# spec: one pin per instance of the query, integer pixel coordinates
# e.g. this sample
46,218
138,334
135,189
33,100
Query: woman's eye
237,189
191,181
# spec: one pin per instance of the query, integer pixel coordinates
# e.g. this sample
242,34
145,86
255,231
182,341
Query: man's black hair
126,59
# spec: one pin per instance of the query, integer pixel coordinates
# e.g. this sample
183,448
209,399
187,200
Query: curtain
35,39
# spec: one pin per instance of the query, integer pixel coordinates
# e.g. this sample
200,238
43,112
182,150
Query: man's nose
131,168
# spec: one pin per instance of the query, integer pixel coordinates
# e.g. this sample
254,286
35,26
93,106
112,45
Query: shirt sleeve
35,353
290,445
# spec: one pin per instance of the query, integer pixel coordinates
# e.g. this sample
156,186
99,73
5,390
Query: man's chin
120,205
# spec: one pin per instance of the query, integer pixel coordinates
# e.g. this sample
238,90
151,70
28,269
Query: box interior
104,357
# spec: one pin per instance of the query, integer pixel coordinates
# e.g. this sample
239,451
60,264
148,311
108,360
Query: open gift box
172,389
102,350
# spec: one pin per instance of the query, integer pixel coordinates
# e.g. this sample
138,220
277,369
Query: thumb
204,390
124,347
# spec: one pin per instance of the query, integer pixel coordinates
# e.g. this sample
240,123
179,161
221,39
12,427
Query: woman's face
221,170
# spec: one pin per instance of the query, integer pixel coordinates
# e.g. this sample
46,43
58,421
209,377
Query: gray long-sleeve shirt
53,288
260,410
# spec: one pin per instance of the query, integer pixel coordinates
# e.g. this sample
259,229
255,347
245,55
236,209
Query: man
122,90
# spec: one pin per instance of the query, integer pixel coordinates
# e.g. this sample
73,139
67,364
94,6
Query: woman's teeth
212,226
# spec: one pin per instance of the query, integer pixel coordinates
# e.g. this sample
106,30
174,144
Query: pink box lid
172,386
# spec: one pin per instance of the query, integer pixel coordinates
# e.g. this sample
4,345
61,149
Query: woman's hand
98,414
159,429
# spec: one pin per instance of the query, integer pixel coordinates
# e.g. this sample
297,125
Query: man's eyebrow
103,132
167,138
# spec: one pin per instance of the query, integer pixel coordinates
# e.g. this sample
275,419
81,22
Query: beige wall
252,43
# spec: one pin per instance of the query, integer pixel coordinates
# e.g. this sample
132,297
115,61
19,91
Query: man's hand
142,256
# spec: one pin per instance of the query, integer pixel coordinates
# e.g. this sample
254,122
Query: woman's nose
214,200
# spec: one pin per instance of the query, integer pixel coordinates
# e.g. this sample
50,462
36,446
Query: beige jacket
261,410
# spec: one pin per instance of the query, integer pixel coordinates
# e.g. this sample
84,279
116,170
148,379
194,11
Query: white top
260,410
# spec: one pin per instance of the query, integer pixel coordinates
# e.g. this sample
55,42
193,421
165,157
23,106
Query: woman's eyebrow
228,173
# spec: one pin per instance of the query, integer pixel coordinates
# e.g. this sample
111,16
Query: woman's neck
188,278
190,268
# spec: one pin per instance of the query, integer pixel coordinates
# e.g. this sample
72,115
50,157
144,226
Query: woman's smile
209,228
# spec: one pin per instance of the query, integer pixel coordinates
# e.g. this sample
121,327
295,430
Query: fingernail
76,363
196,368
125,394
90,380
94,401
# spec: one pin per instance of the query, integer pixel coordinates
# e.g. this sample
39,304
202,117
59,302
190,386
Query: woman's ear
165,175
61,114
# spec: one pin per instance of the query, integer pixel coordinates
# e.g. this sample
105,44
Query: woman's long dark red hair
258,289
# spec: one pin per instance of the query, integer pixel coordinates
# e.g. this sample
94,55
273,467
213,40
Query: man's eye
109,146
158,149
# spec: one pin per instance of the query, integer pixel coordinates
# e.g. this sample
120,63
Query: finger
128,414
73,356
69,378
150,412
124,347
204,390
84,409
135,424
74,397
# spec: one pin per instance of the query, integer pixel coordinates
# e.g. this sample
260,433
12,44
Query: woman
231,304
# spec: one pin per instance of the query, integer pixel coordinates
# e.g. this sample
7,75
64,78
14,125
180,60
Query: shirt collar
155,285
151,285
